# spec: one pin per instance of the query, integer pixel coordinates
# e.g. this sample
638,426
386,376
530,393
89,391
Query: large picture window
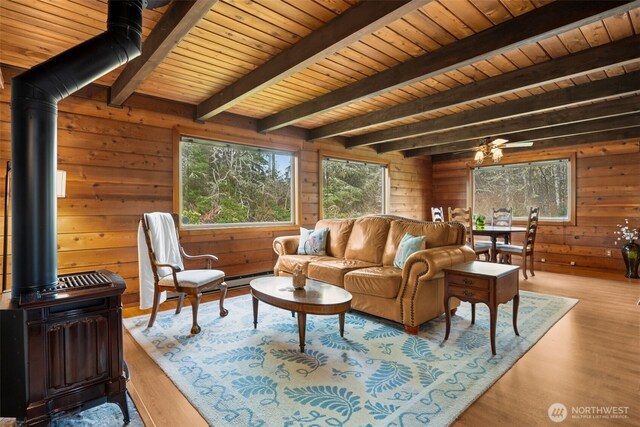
547,184
224,184
352,188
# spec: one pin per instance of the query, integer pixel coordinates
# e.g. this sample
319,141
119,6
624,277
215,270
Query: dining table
495,231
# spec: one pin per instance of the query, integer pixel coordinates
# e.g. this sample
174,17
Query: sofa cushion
313,242
333,271
377,281
289,263
339,231
436,234
367,239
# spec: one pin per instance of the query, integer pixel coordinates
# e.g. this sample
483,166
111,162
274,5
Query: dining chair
505,251
465,216
437,214
501,217
166,256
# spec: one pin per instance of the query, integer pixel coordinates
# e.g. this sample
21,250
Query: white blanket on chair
164,241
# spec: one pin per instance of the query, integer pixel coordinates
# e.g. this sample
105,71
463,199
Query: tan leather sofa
360,255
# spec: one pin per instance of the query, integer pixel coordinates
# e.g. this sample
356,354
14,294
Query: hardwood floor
590,358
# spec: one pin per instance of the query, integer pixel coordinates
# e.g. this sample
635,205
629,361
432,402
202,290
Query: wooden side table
482,282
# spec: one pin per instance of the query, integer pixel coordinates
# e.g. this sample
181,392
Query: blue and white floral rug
376,375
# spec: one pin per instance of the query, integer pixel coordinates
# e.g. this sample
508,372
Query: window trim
293,149
570,157
386,187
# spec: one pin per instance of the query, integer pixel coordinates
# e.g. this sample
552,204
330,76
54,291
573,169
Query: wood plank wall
608,191
119,165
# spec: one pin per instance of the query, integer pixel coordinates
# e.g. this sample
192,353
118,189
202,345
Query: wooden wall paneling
119,164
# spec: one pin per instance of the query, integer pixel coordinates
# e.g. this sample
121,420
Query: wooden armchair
171,276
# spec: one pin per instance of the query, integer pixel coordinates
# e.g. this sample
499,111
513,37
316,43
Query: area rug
105,415
377,375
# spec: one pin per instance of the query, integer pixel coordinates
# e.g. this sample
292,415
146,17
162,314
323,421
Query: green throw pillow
408,245
313,242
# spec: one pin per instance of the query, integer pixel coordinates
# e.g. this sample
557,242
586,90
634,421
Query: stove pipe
34,109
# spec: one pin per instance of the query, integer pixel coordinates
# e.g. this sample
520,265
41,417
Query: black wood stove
61,337
61,348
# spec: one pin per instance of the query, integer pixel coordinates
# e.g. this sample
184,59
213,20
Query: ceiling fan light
496,154
479,157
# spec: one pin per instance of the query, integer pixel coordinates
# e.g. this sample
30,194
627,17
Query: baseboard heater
243,280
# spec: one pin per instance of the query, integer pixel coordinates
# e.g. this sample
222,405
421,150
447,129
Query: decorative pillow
313,242
408,245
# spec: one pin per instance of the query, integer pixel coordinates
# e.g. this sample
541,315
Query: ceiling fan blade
519,144
499,141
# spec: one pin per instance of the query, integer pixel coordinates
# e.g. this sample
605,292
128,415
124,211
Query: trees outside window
352,188
547,184
230,184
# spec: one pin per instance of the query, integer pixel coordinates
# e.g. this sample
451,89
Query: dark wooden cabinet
72,356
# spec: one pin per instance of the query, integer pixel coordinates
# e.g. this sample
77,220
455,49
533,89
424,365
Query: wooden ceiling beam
567,97
341,32
574,128
542,120
544,22
558,142
179,18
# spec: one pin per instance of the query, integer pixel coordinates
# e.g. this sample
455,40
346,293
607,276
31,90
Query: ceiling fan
493,148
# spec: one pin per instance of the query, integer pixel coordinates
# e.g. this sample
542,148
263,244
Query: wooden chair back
501,217
437,214
465,216
147,239
532,228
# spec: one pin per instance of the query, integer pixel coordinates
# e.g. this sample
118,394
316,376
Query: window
547,184
352,188
225,184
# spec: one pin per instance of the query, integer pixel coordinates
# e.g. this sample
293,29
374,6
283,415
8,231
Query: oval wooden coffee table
315,298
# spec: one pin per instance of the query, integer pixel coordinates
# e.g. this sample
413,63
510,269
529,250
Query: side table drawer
462,280
468,294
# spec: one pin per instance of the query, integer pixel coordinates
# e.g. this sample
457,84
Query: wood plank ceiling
424,77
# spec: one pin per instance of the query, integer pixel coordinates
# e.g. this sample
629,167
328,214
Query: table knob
467,293
467,281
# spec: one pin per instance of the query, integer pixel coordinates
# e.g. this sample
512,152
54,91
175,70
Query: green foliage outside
521,186
235,184
351,189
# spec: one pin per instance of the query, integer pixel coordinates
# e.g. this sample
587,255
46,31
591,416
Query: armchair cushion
313,242
192,278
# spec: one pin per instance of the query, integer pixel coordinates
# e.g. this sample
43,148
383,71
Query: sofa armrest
286,245
424,264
